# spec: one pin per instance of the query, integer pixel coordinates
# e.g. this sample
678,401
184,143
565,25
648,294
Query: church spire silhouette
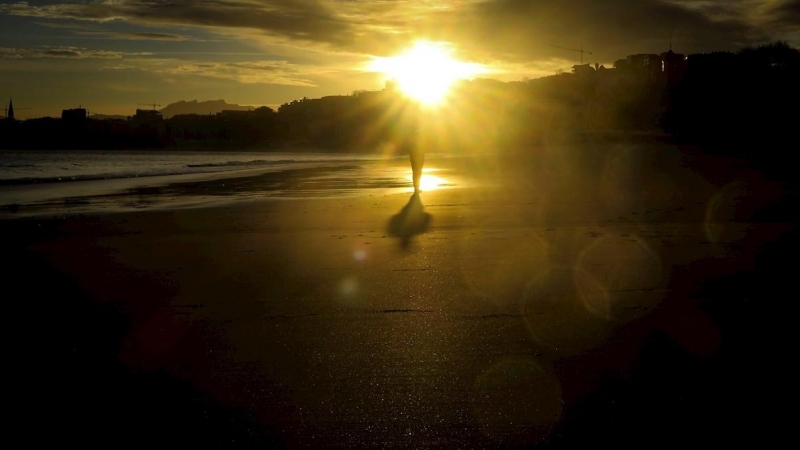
10,112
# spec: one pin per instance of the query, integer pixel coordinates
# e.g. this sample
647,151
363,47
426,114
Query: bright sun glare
430,182
426,71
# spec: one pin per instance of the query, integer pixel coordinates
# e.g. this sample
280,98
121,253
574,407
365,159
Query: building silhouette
646,63
147,117
654,66
74,115
10,110
583,70
673,64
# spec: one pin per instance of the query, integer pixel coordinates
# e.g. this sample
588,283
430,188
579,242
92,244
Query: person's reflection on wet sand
411,220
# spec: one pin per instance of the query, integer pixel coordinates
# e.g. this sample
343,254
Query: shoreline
309,179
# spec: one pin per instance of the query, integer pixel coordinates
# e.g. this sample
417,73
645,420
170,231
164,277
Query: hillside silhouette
204,108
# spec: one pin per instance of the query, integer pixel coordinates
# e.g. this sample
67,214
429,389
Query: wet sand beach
608,292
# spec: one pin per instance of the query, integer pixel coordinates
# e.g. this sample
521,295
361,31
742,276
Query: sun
426,71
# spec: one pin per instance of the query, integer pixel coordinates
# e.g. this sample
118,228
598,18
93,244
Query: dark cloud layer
505,30
62,52
81,30
787,15
151,36
309,20
526,29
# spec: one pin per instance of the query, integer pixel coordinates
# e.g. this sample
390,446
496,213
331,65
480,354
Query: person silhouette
417,157
407,136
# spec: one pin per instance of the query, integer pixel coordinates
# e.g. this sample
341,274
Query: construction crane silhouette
581,51
154,104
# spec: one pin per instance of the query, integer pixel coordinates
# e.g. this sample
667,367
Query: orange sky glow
112,56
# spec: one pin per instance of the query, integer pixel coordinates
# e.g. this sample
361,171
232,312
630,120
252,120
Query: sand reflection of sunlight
431,182
619,278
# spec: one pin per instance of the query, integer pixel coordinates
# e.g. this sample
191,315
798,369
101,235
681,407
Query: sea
47,181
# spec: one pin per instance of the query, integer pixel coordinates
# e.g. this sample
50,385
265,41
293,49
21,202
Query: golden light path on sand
430,182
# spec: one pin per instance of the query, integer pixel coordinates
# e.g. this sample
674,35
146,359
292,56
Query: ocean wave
255,162
188,169
29,168
15,166
70,178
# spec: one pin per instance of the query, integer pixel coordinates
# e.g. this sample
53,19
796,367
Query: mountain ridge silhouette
201,107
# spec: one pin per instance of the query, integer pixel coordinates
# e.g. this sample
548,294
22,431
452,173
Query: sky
113,56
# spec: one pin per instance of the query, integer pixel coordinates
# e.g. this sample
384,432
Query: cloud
507,31
786,15
62,52
250,72
526,29
150,36
82,30
254,72
304,20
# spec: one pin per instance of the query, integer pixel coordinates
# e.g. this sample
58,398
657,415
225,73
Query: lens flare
348,287
556,316
359,255
517,402
619,278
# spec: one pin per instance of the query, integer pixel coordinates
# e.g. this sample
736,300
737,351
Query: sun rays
426,71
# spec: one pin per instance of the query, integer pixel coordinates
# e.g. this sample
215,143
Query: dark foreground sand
606,293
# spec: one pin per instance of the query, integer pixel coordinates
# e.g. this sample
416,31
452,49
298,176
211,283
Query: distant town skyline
114,56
